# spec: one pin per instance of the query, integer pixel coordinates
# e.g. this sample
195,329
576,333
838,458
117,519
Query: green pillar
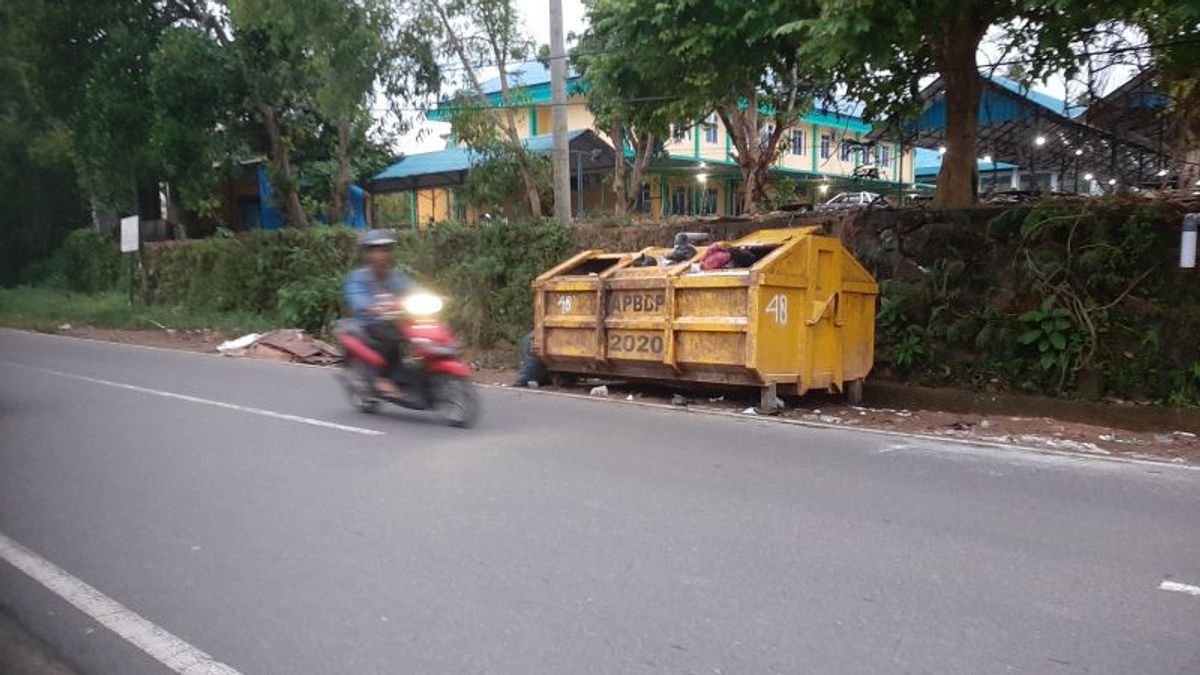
816,146
533,120
696,129
412,208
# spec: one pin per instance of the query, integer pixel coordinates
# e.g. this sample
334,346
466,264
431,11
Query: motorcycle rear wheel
366,404
356,379
457,402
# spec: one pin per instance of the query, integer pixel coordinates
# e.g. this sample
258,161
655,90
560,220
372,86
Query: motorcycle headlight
422,304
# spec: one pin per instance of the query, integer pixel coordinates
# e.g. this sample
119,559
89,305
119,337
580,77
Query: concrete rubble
288,345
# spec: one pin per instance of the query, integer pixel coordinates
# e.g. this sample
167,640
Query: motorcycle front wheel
457,402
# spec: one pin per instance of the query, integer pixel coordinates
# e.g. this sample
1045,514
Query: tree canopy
683,61
115,97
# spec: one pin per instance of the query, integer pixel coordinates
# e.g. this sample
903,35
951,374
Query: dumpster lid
775,237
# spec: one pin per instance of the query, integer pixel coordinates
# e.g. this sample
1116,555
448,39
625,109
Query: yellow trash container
799,316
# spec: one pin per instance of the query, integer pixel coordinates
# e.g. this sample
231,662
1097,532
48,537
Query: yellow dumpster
793,312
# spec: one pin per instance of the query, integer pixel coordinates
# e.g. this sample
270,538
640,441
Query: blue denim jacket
361,287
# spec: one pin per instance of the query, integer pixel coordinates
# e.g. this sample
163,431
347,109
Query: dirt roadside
1039,432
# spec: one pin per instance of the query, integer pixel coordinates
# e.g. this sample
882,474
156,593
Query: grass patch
45,309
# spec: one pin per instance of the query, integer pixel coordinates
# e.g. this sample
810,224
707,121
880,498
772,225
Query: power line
1105,52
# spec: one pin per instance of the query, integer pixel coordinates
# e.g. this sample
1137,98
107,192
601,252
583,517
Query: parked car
853,200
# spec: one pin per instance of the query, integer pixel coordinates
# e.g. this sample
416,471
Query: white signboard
129,234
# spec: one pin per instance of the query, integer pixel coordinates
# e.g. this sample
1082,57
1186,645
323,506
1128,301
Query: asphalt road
564,535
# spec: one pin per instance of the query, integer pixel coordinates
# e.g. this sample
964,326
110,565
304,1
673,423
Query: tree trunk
957,183
621,202
283,165
510,127
754,156
531,191
341,181
509,120
645,147
1184,121
752,186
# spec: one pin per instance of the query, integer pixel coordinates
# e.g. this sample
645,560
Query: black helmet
373,238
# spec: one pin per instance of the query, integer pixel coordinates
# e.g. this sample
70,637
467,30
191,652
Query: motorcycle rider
372,290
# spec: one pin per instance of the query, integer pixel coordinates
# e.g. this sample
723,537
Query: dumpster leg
767,399
854,391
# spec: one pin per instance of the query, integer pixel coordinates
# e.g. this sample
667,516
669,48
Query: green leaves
136,92
1051,331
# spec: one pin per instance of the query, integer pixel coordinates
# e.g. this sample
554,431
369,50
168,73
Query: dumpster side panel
778,297
858,351
824,356
635,345
709,348
710,324
636,302
860,291
779,332
569,343
570,303
709,302
565,319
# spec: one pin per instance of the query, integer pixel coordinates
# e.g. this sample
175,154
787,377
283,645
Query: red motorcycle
433,375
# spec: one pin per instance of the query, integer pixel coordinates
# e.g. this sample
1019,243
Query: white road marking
1179,588
164,647
204,401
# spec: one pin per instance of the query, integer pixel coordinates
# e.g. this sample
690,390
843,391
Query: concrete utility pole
558,90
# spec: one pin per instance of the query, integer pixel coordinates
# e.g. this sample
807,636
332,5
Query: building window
866,156
643,200
709,207
847,151
679,201
826,143
885,156
797,141
710,129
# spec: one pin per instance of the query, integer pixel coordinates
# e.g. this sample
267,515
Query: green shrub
312,303
485,272
87,262
248,272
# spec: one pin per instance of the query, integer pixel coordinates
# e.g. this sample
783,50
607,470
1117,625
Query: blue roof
524,75
1045,100
458,159
1005,101
438,161
929,162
